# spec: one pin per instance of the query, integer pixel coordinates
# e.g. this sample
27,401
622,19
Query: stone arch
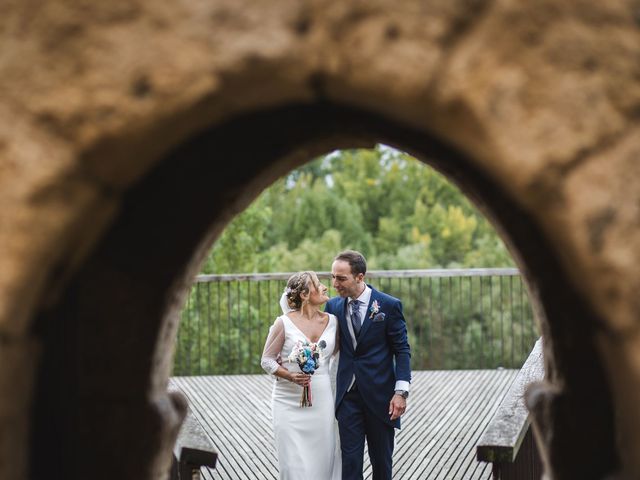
89,301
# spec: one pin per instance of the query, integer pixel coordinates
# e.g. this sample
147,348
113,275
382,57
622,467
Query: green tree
239,247
383,202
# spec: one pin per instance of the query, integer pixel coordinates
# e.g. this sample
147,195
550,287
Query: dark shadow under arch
98,405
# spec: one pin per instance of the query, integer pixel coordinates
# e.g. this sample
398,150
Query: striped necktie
355,316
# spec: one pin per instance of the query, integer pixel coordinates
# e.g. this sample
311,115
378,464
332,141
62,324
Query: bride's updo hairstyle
297,285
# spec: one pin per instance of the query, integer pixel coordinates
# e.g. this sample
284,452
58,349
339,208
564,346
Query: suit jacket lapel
366,321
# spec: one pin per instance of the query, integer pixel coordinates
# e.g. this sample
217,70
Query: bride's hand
301,379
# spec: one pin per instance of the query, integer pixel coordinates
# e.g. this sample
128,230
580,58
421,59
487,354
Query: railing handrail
503,436
433,272
193,448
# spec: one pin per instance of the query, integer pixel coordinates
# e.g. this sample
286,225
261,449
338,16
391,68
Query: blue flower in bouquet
309,366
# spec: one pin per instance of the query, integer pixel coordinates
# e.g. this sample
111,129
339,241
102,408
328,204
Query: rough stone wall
542,98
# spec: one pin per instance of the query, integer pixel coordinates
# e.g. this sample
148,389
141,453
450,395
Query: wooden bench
508,440
193,449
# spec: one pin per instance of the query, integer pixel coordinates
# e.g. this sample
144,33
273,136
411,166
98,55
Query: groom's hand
397,406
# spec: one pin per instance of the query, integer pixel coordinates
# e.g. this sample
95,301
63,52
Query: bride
305,437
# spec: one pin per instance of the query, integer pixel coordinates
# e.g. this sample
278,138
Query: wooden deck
447,413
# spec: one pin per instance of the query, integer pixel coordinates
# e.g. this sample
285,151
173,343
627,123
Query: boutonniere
375,308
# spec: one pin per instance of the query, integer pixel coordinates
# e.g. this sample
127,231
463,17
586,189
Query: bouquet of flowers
307,355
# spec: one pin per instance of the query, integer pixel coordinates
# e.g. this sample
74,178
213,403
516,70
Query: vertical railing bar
481,363
209,330
238,324
177,368
398,294
430,353
198,323
511,319
421,322
443,338
216,324
269,300
470,297
261,322
218,327
454,323
443,334
501,323
250,325
189,309
522,341
228,356
532,323
463,324
491,319
410,322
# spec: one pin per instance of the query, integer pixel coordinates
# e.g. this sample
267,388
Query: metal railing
456,319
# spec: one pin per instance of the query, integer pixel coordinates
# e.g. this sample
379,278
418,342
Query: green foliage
308,255
396,210
239,247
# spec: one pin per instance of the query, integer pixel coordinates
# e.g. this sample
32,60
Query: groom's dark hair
355,260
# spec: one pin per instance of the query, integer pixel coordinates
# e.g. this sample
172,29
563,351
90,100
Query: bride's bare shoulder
293,315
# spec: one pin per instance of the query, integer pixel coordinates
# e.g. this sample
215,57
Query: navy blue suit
381,357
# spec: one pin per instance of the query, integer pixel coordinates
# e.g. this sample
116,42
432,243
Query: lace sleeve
273,347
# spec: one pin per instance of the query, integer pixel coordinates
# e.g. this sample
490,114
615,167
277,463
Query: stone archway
114,175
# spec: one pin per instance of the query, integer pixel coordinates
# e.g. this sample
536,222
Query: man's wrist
403,393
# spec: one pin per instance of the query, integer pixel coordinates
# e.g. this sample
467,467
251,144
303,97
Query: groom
373,372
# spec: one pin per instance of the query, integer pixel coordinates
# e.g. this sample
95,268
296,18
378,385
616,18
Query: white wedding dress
306,438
